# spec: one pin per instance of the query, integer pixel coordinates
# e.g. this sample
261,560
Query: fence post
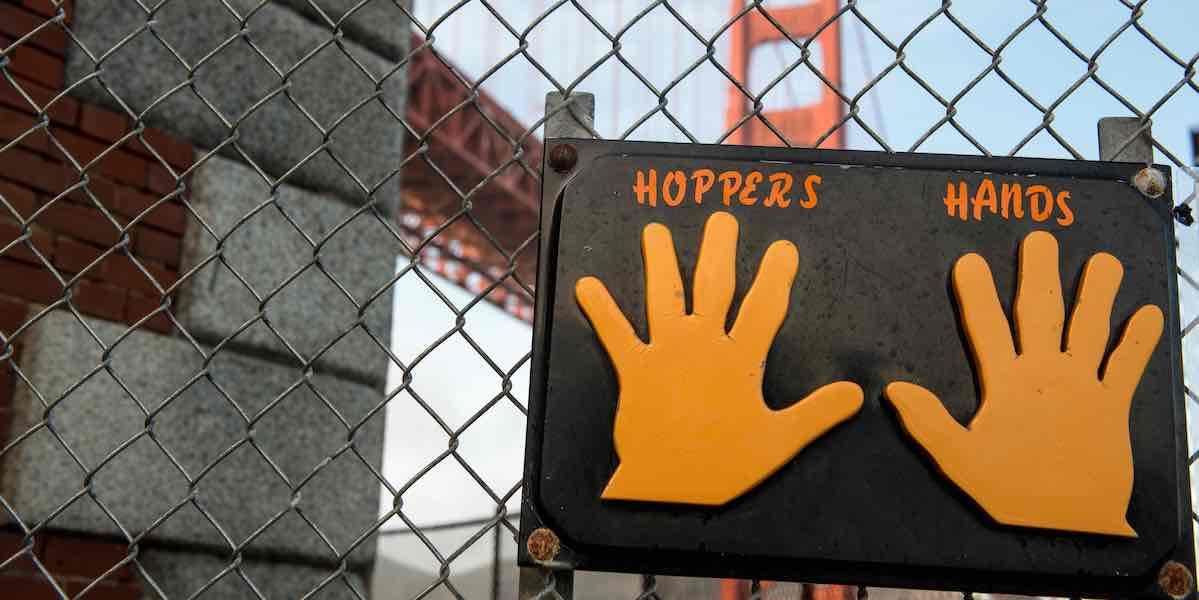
1114,133
576,119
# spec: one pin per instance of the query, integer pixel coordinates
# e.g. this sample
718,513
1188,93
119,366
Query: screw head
1150,181
1176,580
543,545
563,158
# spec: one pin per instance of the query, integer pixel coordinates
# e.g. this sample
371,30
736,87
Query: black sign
905,370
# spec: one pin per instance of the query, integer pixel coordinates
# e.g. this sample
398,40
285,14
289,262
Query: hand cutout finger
663,284
1132,353
765,305
715,276
1039,310
613,329
1090,323
986,326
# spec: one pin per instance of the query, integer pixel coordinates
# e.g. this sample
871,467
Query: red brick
169,215
121,271
85,558
65,111
24,281
18,197
107,591
100,300
101,189
15,23
46,8
15,124
21,251
31,587
139,306
40,66
123,166
6,393
83,222
73,256
12,542
37,172
179,153
83,149
102,123
12,315
159,180
159,246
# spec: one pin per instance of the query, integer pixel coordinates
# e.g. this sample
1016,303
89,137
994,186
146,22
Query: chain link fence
207,394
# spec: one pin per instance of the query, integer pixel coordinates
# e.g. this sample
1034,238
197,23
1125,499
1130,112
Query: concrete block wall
251,242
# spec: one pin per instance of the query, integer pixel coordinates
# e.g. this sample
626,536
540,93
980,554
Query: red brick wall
51,220
73,562
63,222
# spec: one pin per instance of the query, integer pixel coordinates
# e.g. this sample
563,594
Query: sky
565,45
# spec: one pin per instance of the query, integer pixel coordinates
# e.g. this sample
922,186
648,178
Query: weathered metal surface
872,304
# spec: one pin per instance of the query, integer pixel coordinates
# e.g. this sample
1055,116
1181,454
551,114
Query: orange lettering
1040,210
751,185
704,178
780,184
1067,216
679,179
955,199
731,180
809,186
984,197
1012,198
646,190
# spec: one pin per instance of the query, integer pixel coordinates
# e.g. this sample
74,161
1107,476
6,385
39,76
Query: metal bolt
1176,580
1150,182
543,545
563,158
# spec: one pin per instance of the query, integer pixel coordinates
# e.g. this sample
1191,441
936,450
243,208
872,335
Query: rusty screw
1176,580
1150,182
543,545
563,158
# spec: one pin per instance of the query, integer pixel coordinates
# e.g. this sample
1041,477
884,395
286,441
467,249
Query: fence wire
434,145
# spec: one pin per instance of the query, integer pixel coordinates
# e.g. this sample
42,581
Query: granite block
238,447
276,96
266,240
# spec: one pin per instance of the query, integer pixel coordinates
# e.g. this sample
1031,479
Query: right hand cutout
1049,446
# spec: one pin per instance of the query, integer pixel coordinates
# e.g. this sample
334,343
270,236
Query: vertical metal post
496,561
576,119
544,584
1114,136
571,116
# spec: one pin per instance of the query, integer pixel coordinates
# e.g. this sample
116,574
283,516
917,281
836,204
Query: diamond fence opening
266,267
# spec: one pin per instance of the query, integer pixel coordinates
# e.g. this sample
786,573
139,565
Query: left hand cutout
692,426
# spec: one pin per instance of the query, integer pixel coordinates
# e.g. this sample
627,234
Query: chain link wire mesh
648,97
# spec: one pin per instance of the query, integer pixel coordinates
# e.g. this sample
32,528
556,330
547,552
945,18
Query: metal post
1114,136
576,120
544,584
571,116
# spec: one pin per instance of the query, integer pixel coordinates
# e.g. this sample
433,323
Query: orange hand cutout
691,424
1049,446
